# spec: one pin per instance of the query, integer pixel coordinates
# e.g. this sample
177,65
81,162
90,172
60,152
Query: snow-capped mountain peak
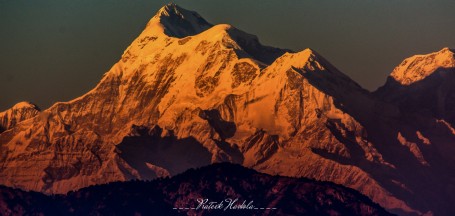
19,112
425,84
175,21
419,67
186,93
25,105
447,49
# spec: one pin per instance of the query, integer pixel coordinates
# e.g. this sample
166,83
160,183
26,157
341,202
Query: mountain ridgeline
187,93
215,183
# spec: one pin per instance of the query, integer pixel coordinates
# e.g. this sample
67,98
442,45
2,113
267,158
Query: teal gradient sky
56,50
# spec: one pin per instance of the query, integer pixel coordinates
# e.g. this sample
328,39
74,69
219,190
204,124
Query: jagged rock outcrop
184,97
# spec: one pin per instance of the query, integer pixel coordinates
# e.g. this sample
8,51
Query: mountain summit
424,84
175,21
19,112
418,67
186,94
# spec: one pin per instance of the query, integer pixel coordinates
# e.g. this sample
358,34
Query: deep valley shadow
146,145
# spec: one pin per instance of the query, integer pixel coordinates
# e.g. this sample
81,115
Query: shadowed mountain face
184,97
147,151
424,84
218,182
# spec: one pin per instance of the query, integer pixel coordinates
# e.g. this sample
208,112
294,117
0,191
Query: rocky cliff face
184,97
274,195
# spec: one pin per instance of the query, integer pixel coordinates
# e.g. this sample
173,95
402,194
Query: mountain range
187,93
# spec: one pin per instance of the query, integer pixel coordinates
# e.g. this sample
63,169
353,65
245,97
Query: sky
57,50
